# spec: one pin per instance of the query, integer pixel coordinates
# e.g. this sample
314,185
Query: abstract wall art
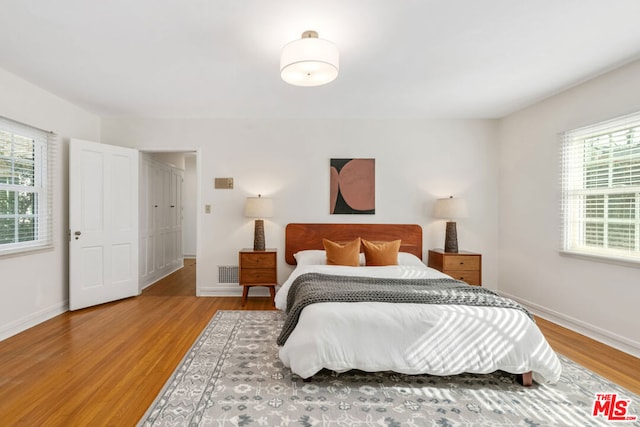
353,186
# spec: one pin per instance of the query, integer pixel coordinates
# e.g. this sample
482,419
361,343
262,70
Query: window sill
602,258
25,251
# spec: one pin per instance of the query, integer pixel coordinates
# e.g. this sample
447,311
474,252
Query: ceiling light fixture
309,61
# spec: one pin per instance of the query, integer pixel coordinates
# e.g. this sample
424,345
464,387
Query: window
25,187
601,189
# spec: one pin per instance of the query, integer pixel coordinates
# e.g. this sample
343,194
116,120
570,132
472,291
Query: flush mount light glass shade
309,61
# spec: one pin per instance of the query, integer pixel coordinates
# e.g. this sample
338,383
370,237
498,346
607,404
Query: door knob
77,233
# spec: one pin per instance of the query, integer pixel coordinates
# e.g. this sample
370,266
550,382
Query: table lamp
258,207
450,209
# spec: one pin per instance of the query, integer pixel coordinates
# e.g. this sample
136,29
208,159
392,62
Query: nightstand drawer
461,262
470,276
258,275
254,260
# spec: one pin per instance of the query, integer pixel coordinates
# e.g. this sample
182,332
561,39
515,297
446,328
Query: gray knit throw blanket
313,288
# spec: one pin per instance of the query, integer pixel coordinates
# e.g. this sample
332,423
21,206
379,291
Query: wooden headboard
299,237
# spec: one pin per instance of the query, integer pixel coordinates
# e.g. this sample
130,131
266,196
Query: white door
103,220
147,206
177,180
162,218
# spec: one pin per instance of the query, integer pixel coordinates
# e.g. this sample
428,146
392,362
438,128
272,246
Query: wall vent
228,274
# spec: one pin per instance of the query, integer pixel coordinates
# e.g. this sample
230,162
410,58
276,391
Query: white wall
34,287
417,161
596,298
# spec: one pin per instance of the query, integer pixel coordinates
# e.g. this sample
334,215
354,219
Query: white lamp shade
451,208
258,207
309,61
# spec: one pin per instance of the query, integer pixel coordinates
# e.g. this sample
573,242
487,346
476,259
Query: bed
409,338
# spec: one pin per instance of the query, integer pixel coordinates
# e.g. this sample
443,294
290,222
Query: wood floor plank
105,365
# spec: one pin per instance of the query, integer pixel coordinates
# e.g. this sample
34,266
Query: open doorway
168,226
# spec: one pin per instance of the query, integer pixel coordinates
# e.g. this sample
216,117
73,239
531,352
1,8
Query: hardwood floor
105,365
180,283
619,367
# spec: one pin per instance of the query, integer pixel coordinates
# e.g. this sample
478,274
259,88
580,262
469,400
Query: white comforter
412,338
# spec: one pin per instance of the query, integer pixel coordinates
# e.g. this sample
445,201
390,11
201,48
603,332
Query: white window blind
26,156
601,189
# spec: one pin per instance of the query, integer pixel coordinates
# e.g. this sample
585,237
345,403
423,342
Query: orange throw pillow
381,253
342,253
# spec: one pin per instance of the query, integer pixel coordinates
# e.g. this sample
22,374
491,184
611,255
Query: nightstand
465,266
258,268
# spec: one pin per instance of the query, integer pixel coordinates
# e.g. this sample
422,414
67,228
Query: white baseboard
32,319
606,337
231,291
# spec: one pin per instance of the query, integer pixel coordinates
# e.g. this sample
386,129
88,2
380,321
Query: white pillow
310,257
315,257
405,258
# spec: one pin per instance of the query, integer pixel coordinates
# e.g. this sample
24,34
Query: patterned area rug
232,376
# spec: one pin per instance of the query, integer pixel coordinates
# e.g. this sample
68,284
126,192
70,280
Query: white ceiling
399,58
